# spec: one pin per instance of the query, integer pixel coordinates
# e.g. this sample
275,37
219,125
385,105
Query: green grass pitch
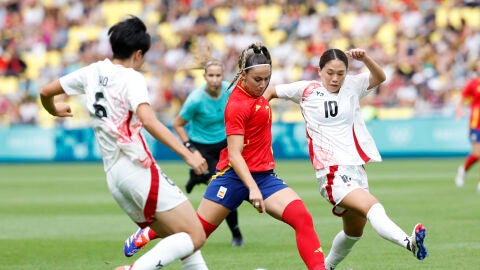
61,216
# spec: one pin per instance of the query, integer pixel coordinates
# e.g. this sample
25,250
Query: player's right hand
63,110
198,163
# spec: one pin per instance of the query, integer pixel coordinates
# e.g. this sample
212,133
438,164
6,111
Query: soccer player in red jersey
471,94
245,171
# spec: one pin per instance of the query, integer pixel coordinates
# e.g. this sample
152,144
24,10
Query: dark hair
251,56
128,36
333,54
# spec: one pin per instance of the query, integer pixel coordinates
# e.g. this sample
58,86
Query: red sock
308,244
207,226
469,161
151,233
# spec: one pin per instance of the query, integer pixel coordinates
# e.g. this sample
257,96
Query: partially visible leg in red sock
308,244
151,233
469,161
207,226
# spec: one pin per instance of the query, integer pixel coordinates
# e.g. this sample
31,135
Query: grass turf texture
61,216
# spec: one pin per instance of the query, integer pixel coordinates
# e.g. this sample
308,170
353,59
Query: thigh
276,203
212,212
129,185
141,192
269,183
358,201
336,182
181,218
476,149
226,188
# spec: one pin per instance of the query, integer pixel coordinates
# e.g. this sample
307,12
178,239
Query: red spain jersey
472,92
252,118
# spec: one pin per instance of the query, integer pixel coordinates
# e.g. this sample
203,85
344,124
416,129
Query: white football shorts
141,191
335,182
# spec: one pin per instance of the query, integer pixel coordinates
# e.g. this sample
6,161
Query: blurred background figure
471,95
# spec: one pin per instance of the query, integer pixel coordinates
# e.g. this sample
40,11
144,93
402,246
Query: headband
259,65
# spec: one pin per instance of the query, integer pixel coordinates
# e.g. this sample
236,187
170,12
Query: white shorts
335,182
141,191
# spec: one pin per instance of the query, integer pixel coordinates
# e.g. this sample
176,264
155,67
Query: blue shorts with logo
227,189
474,135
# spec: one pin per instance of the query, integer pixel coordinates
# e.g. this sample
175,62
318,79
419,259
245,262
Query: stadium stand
426,47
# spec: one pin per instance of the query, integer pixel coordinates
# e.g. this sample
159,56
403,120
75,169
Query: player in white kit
117,99
339,144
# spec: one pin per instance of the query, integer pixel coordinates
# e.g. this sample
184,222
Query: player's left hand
357,54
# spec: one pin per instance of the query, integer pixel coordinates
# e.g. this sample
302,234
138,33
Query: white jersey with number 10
336,132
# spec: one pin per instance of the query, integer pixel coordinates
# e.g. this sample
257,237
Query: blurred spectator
10,62
424,46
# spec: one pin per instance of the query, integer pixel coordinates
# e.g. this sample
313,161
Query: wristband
190,146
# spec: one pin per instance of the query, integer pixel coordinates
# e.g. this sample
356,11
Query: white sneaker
460,178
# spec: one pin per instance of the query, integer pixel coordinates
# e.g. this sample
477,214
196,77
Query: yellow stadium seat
54,58
268,16
168,35
116,11
34,63
221,15
455,18
395,113
79,34
273,38
8,85
217,40
441,17
472,17
345,21
341,43
292,115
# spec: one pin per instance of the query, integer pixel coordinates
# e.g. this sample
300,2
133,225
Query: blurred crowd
427,48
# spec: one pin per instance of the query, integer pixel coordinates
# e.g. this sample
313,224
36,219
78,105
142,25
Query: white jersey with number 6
335,130
113,94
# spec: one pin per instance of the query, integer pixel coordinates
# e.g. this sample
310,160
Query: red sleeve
469,88
236,115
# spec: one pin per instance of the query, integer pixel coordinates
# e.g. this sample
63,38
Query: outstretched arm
377,76
270,93
160,132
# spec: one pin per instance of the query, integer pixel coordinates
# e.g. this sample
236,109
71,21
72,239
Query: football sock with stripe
308,244
207,226
469,161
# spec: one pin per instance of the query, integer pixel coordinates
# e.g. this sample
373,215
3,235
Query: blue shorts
227,189
474,135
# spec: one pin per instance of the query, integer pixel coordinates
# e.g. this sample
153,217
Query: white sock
341,247
385,227
169,249
194,262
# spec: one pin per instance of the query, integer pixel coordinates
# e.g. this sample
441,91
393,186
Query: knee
198,238
296,214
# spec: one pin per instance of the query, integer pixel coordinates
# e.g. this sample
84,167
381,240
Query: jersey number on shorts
331,108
